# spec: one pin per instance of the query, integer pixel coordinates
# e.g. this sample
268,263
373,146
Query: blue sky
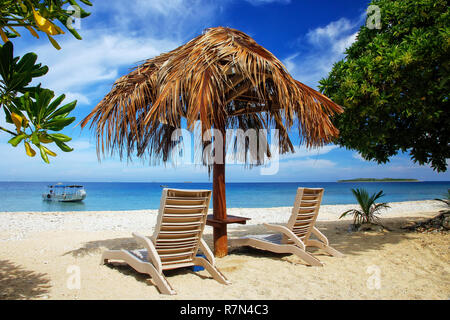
307,36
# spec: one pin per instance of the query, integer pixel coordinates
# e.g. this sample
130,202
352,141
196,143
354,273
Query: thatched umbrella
223,79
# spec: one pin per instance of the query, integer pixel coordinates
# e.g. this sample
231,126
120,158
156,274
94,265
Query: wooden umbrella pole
219,201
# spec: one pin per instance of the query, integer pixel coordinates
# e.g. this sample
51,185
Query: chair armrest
288,233
207,252
320,235
151,250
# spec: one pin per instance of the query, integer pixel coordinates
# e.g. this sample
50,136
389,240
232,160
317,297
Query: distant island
378,180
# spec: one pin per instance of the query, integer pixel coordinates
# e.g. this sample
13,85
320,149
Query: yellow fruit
29,150
17,121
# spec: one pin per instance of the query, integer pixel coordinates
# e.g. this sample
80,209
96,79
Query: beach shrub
34,113
367,214
393,84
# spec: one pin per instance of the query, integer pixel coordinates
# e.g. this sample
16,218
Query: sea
121,196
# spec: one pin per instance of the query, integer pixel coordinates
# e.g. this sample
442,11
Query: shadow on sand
98,246
349,243
339,236
17,283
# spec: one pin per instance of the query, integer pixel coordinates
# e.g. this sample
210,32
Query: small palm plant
368,208
446,198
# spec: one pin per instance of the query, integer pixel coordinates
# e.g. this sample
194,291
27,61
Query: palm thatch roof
222,78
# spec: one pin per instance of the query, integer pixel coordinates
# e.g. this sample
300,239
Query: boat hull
62,198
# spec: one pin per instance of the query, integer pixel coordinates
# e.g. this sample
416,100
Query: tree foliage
39,16
34,113
394,85
31,109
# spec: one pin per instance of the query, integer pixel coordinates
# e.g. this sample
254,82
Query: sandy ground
42,254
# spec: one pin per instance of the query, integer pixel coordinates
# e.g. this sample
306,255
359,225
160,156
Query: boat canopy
65,186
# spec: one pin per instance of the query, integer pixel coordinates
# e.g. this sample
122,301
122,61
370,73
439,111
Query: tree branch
6,130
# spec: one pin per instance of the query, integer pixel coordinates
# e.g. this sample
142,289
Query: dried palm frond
221,78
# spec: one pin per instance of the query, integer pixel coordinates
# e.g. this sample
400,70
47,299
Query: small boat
163,186
64,193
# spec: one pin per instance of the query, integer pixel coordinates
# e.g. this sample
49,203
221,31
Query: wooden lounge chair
176,240
295,236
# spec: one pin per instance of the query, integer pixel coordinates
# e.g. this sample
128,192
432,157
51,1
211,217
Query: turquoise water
26,196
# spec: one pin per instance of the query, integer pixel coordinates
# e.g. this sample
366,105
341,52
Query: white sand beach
38,252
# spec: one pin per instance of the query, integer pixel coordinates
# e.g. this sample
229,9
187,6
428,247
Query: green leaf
347,212
18,72
43,154
87,2
6,59
64,110
27,62
60,137
39,71
58,124
35,138
7,115
64,147
17,139
54,43
52,106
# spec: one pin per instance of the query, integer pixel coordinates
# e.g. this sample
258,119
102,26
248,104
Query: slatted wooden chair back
304,213
179,228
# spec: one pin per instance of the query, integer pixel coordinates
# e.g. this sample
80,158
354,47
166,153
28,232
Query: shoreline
23,225
376,181
428,201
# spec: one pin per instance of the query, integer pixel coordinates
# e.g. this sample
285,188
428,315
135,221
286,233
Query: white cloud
127,34
303,151
80,65
308,164
162,18
357,156
81,98
324,46
321,36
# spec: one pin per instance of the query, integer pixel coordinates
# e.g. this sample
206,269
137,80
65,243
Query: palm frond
369,209
350,212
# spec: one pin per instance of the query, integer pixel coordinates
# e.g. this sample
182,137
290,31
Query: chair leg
213,271
110,255
305,256
140,266
160,281
330,250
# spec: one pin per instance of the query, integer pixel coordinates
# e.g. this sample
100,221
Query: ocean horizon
122,196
